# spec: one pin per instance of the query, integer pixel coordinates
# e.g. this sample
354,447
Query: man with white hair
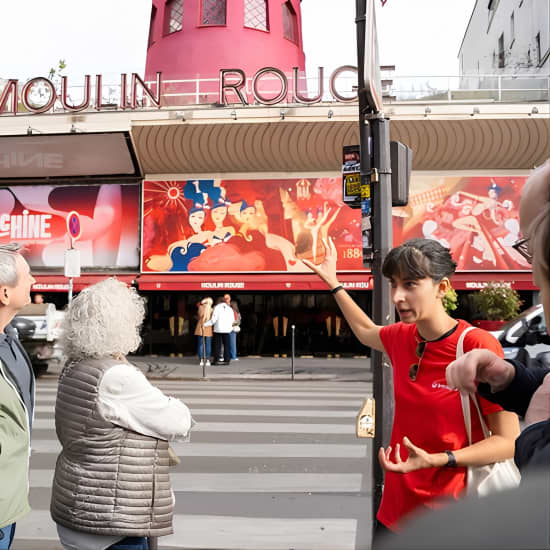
16,394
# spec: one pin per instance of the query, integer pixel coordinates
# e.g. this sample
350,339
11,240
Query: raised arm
366,331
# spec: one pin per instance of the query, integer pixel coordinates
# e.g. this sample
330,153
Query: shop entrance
266,325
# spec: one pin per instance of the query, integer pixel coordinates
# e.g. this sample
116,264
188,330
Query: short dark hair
418,259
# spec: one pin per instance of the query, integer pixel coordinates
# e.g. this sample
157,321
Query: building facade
504,38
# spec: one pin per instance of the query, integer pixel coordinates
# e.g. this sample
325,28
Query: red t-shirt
429,413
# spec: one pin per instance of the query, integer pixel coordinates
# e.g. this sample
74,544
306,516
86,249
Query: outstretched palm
327,269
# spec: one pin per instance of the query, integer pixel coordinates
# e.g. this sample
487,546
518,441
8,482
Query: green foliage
497,302
450,300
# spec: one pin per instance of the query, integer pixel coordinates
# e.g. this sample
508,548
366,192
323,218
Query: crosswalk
271,465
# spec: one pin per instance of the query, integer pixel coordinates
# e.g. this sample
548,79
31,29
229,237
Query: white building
505,38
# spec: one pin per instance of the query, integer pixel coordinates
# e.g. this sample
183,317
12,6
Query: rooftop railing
504,88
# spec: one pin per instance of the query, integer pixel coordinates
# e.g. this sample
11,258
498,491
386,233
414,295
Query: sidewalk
254,367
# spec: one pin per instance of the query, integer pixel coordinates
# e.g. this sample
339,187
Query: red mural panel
477,217
36,217
246,225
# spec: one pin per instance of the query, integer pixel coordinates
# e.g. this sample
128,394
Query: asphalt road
272,465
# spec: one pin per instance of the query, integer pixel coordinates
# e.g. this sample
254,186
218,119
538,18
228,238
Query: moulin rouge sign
231,84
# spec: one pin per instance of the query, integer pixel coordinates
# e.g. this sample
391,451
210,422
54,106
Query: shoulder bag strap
465,400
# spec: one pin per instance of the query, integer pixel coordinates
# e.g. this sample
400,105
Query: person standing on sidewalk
203,333
111,487
16,394
429,452
235,331
222,320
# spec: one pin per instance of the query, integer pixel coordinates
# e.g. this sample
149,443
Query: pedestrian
204,334
111,486
512,384
222,320
236,329
427,457
519,518
16,394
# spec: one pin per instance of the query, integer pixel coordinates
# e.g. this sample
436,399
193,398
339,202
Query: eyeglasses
419,352
522,246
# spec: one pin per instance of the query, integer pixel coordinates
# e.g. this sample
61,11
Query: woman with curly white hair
111,487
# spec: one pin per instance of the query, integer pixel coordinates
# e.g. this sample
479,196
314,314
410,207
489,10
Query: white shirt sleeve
126,398
214,318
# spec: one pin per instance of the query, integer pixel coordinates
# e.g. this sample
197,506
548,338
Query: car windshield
528,313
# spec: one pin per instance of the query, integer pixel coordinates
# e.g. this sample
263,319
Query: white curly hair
103,320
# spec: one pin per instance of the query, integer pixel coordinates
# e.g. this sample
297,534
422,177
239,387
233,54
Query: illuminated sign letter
154,99
334,76
85,102
309,100
98,86
282,79
11,86
123,91
236,86
25,95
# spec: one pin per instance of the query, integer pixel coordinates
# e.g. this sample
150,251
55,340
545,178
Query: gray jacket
108,480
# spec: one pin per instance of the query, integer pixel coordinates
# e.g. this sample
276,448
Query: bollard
203,355
293,327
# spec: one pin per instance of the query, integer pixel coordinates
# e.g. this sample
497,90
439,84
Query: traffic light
401,166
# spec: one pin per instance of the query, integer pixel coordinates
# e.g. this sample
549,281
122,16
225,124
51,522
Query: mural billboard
247,225
476,216
37,217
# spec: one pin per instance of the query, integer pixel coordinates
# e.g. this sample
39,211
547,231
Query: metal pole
70,290
383,310
293,327
203,354
375,154
152,543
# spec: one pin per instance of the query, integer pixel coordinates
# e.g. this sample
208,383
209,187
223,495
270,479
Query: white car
526,332
42,344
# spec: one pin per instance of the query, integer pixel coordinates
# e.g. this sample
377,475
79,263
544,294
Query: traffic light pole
374,132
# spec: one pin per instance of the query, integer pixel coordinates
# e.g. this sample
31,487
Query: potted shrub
450,301
496,304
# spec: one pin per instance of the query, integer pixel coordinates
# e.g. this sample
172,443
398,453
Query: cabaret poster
247,225
475,216
37,216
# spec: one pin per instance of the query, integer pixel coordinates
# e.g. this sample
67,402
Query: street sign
73,225
372,84
72,262
351,176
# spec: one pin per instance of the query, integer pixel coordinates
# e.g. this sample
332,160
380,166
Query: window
512,29
501,57
539,51
255,15
492,7
151,40
213,12
290,23
174,16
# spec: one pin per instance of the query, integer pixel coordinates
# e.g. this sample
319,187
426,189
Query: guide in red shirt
427,458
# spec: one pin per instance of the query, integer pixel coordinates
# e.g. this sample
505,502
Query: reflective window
255,14
152,27
213,12
290,23
174,16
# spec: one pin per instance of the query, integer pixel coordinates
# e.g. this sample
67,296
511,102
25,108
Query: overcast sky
420,37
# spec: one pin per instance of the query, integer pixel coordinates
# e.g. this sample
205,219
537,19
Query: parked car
526,337
39,329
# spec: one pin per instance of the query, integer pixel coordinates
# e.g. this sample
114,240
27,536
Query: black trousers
221,338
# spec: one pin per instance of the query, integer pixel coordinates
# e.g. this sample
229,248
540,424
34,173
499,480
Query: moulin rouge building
220,169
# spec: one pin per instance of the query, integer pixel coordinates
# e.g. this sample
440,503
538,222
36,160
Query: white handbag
491,478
